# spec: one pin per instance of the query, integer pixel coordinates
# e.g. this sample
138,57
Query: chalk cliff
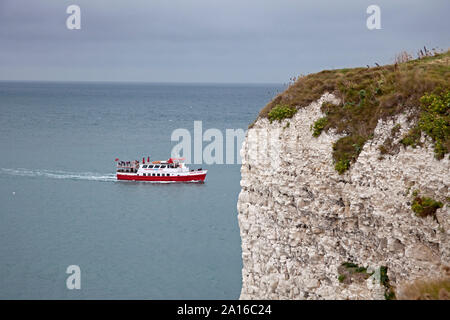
309,232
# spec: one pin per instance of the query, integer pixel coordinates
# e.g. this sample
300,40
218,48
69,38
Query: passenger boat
172,170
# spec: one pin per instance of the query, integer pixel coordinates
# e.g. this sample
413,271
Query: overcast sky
209,40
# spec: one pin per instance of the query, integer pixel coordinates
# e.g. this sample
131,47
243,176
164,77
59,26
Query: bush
434,120
281,112
436,103
341,166
424,206
318,126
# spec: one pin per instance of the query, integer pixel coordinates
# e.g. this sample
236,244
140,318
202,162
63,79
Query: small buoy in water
14,193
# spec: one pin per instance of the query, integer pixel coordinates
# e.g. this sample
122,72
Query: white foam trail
53,174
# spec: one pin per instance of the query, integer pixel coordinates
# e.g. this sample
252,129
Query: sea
61,206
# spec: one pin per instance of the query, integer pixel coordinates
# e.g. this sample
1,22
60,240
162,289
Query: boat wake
54,174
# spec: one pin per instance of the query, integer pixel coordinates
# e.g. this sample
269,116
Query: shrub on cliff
281,112
434,120
318,126
424,206
341,166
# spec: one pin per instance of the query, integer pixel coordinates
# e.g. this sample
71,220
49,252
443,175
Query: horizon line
144,82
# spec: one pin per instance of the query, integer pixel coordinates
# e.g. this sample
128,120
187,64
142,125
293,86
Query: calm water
60,204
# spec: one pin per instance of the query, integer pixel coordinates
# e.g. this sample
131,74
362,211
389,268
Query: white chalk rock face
300,220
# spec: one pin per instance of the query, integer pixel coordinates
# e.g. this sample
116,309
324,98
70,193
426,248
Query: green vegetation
350,272
349,265
346,150
318,126
412,138
384,279
341,166
424,206
370,94
354,268
389,293
434,120
280,112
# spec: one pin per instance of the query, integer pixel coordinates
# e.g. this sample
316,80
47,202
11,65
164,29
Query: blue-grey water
60,204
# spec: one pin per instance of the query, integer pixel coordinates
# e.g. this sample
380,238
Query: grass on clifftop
370,94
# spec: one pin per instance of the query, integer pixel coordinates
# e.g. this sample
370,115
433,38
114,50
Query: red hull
198,177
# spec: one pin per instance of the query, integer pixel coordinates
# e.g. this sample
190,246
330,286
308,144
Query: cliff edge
345,184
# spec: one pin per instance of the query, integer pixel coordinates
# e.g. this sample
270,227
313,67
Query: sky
219,41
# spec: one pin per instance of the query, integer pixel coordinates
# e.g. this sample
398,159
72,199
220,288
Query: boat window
157,166
158,174
163,166
153,174
144,166
145,174
150,166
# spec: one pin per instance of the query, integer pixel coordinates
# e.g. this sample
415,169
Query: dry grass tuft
435,289
403,57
